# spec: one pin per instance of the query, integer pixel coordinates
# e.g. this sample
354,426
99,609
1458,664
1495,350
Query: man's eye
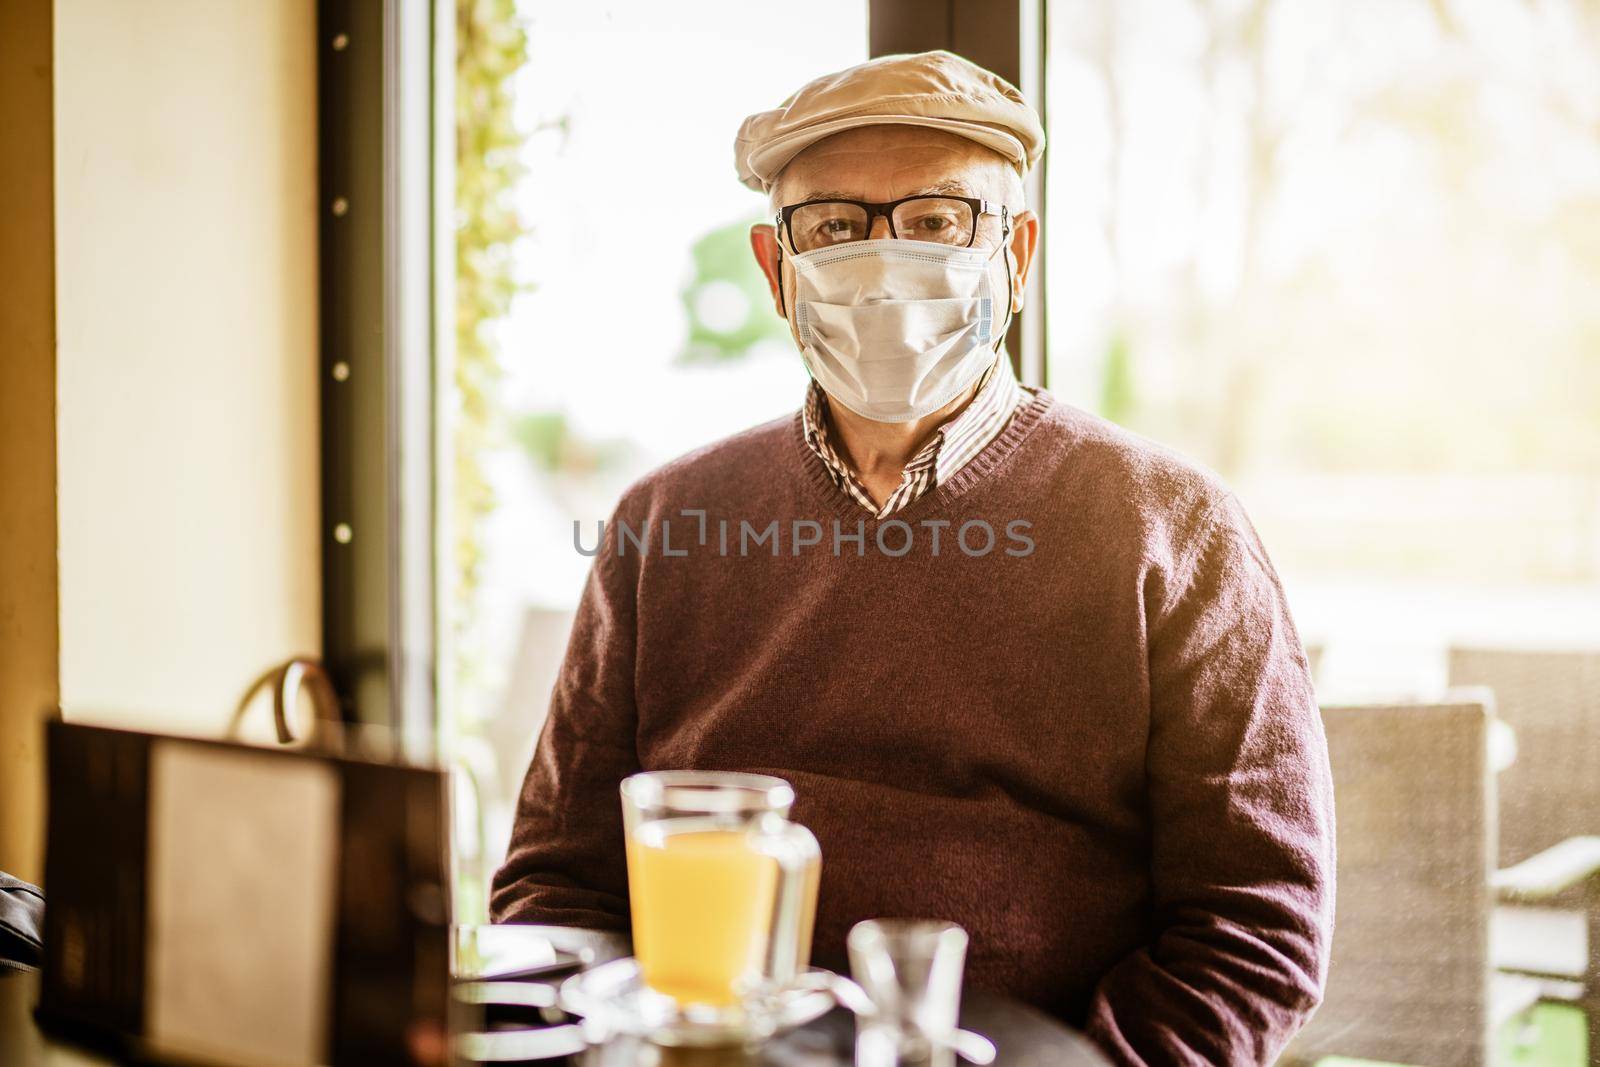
934,223
836,229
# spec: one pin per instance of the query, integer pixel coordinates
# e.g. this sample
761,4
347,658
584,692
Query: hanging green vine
491,46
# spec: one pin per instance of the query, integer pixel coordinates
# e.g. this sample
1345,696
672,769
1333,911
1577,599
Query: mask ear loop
783,305
777,238
1005,254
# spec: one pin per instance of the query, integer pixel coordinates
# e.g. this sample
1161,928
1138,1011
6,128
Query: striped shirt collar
950,448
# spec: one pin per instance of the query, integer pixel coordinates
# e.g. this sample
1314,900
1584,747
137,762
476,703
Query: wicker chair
1552,700
1548,924
1410,976
1410,979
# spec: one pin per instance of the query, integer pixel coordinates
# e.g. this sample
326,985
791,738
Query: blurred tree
549,440
727,300
1265,80
1117,389
491,46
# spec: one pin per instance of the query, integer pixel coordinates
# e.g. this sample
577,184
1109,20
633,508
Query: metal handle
292,676
797,854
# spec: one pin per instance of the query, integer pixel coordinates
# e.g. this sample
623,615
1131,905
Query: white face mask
894,330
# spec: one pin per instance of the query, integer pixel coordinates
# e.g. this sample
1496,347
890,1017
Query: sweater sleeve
565,865
1241,817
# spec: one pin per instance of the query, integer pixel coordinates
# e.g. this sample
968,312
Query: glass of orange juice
722,888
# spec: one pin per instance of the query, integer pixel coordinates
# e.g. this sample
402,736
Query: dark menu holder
383,953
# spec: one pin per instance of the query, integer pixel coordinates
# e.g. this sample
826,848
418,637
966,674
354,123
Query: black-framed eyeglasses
947,220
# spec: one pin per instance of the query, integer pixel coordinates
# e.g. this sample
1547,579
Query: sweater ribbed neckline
815,473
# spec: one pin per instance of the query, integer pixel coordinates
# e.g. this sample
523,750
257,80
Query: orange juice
702,903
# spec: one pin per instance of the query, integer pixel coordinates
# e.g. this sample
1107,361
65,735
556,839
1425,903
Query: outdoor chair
1552,701
1548,922
1410,979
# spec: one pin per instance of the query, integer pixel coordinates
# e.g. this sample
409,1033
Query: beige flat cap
936,89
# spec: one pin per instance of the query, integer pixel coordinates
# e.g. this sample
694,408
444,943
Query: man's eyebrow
826,194
952,186
955,186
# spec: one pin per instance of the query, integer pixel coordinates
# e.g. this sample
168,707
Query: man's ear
1024,242
764,243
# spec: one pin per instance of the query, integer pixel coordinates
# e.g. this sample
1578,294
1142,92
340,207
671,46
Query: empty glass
911,970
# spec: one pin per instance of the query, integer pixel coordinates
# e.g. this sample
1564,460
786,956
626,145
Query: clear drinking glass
911,970
722,890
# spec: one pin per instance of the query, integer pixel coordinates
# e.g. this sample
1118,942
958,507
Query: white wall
185,194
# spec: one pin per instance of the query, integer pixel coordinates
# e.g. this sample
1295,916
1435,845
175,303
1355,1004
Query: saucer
613,1001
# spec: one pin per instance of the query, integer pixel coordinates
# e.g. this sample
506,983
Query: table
1023,1036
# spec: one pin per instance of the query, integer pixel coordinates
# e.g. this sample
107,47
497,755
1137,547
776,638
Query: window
1346,254
640,326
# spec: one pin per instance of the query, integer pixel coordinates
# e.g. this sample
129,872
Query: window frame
1009,39
376,162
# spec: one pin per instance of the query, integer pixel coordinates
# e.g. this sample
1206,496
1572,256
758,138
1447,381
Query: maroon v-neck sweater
1093,745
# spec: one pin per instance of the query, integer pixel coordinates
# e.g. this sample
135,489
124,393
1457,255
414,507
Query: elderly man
1026,671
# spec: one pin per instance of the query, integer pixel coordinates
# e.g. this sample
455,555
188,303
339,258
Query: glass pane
612,315
1350,262
1348,255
